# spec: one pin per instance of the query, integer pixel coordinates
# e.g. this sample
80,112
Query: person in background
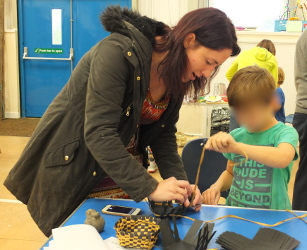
300,122
280,114
262,55
262,180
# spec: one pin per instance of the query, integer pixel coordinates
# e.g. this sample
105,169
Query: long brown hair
213,29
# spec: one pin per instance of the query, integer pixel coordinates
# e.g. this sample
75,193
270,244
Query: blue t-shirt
254,184
280,114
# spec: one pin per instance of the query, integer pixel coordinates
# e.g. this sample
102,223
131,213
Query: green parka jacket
83,134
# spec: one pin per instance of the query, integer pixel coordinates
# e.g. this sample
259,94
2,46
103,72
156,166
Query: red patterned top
152,111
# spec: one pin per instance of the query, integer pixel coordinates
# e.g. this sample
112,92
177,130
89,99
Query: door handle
25,56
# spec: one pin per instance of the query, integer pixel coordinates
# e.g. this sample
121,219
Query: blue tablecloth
295,228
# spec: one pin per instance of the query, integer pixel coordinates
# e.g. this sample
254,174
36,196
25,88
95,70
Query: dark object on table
220,119
198,236
265,239
94,219
166,209
212,167
137,231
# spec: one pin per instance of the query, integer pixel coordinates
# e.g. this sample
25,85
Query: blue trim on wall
20,52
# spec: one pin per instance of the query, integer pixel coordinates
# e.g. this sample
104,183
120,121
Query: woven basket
137,231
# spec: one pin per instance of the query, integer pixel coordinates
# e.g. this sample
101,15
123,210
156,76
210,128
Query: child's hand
211,196
222,142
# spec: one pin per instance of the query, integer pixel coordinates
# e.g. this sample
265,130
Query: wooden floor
17,229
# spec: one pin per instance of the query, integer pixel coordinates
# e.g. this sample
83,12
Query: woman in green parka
124,95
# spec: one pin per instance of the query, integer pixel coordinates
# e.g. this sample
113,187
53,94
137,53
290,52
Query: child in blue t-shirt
262,180
280,114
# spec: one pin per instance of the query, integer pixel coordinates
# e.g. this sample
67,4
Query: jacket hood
113,19
262,54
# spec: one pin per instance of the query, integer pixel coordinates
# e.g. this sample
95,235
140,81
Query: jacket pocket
61,155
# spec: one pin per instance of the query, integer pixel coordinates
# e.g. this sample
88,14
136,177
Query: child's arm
212,195
275,157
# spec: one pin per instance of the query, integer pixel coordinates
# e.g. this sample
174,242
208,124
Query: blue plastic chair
289,118
213,165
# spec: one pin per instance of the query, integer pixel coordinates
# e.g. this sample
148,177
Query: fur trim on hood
113,16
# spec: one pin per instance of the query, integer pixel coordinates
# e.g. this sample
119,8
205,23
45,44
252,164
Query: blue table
295,228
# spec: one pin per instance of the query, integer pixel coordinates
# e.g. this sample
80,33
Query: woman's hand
197,199
223,143
211,196
172,189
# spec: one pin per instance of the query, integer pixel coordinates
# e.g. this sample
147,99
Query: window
252,13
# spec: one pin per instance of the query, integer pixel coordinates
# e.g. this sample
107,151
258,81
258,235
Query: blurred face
202,61
254,117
